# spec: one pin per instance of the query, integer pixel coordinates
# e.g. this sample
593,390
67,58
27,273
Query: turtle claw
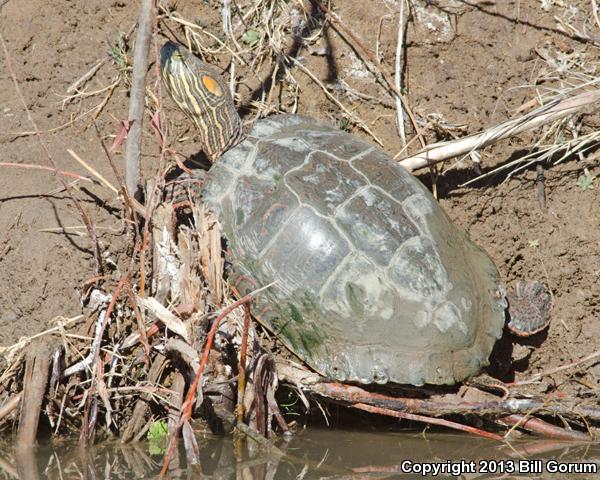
529,304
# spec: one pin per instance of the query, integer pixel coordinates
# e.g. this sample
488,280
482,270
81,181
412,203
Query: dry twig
554,110
429,420
398,73
186,408
138,95
92,170
49,169
538,426
370,62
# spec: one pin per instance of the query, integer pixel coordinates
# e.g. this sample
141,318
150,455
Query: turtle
372,281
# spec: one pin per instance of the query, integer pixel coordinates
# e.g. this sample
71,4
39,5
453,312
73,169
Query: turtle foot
185,187
529,305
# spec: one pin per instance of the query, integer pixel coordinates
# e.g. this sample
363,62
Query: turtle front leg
185,188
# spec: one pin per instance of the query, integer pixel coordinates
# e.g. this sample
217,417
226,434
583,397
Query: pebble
8,317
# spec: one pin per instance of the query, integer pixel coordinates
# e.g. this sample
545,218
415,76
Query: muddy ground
468,65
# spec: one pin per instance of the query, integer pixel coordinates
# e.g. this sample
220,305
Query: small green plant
291,405
250,38
344,124
586,181
118,53
157,434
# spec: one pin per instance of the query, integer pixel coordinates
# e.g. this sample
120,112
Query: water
313,454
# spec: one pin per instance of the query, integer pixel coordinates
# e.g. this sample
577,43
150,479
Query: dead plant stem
552,111
132,203
186,407
371,63
562,368
138,96
429,420
242,365
49,169
398,74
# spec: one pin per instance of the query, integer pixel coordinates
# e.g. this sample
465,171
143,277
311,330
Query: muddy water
316,454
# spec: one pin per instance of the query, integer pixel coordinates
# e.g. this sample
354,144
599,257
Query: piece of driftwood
37,372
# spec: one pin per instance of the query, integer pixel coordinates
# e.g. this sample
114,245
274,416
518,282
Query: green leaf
158,431
250,38
155,449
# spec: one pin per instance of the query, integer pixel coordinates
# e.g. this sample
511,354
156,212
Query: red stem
49,169
186,407
431,420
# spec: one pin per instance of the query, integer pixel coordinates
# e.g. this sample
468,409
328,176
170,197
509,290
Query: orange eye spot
212,85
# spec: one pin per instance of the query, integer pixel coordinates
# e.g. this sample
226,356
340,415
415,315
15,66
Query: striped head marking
203,95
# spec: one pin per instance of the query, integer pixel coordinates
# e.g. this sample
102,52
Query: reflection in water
311,454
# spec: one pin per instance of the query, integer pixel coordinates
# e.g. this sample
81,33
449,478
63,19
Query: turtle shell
373,282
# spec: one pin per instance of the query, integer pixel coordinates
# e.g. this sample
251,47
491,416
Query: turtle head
204,96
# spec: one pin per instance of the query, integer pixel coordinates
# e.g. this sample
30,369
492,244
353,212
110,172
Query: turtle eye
177,56
212,85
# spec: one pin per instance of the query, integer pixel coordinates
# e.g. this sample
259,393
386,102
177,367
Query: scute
381,173
324,182
273,159
261,209
359,290
418,271
373,282
376,224
304,254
